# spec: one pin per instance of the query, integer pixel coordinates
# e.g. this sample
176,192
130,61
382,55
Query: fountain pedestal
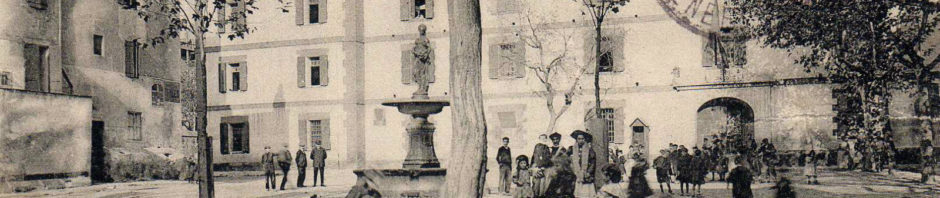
421,175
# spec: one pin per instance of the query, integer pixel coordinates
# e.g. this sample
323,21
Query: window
131,62
609,120
128,3
314,12
38,4
638,129
134,122
4,78
507,119
234,135
726,48
416,9
96,45
187,55
156,94
606,62
236,78
315,71
421,9
315,127
36,67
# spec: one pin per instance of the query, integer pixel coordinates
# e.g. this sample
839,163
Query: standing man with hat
267,164
582,161
318,160
301,161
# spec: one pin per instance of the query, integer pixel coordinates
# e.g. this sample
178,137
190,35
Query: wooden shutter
243,78
299,7
302,132
407,10
518,53
221,18
222,75
494,61
619,126
407,62
429,6
616,42
129,55
325,133
223,138
246,138
324,70
590,55
301,72
322,8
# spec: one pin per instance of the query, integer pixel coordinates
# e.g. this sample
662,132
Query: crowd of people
271,161
554,170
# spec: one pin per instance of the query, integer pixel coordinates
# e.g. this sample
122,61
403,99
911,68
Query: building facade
320,73
100,50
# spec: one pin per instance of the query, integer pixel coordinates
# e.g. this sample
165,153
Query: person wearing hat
267,164
301,161
283,161
556,142
663,170
582,162
318,161
541,160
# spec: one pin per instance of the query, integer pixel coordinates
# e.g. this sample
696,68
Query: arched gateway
731,116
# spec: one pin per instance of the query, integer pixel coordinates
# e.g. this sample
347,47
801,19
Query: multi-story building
96,50
320,73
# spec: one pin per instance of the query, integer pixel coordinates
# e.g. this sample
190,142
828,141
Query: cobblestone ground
832,184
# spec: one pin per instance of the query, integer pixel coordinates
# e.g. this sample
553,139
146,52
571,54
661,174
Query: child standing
523,178
663,170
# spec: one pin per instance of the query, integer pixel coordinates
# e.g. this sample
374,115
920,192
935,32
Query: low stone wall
44,138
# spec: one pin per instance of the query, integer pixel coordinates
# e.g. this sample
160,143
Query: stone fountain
421,174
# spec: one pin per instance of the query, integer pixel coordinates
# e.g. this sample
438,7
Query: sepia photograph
470,98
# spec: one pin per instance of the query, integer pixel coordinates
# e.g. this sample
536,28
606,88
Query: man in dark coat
301,161
541,160
267,164
504,159
740,179
283,160
318,161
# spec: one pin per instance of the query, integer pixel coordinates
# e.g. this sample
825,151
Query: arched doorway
729,116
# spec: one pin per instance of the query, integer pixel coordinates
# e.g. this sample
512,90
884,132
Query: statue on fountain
423,56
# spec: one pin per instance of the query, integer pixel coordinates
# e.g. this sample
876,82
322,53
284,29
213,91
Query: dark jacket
561,183
267,161
504,156
541,156
740,179
283,157
318,157
301,159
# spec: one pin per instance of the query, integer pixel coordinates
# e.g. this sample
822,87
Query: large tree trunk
204,169
467,167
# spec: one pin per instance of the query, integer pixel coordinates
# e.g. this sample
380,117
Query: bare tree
468,154
554,66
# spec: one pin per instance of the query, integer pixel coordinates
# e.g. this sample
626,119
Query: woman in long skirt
639,187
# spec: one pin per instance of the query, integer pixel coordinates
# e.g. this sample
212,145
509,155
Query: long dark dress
740,179
638,185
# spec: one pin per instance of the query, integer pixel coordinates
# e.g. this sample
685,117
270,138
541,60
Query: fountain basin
418,106
419,182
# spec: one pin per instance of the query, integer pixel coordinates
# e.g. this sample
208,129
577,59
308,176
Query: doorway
99,172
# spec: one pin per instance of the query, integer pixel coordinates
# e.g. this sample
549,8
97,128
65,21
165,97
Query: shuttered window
612,57
134,122
312,71
234,135
131,62
319,131
416,9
